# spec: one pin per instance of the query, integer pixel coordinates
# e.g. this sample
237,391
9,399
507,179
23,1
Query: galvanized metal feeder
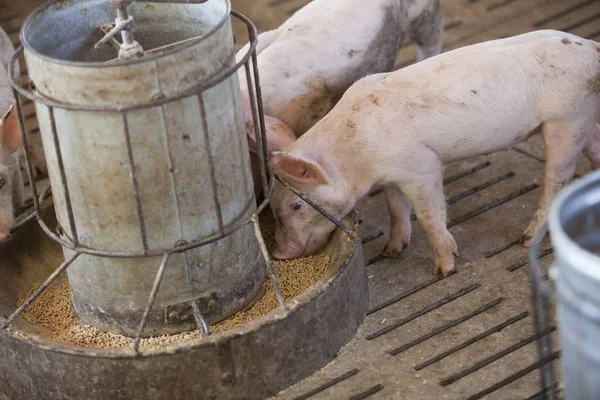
155,213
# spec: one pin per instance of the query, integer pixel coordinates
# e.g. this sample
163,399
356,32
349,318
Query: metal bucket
139,167
574,222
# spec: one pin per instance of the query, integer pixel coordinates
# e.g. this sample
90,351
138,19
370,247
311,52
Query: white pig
308,63
11,180
400,129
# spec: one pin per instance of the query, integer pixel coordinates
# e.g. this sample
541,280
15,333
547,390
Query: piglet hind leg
427,198
400,230
565,141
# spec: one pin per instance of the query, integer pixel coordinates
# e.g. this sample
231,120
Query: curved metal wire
320,209
151,299
39,291
541,295
268,260
25,217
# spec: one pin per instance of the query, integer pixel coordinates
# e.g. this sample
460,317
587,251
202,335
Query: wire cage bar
73,243
542,296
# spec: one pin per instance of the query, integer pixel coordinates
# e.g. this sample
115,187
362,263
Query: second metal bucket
574,222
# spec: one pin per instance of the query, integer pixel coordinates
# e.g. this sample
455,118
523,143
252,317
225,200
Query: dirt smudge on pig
374,99
383,49
352,52
594,83
350,129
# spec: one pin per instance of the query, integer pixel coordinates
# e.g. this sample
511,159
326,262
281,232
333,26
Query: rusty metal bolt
158,96
212,304
173,316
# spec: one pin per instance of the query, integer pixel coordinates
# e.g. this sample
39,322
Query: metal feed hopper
136,172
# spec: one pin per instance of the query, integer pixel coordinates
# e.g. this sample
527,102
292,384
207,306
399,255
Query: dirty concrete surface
414,315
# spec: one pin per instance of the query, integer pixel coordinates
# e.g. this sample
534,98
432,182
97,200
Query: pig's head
9,144
302,230
279,136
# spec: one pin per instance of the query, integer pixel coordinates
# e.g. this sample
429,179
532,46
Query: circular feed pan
255,360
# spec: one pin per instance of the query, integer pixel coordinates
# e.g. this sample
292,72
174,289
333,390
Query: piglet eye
296,206
2,182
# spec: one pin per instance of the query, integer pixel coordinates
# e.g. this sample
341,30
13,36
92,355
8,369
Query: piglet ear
298,170
9,131
279,135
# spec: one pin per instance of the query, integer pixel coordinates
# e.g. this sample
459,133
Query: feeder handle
119,26
534,265
124,23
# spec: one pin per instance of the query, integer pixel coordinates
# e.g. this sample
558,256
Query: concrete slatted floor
469,336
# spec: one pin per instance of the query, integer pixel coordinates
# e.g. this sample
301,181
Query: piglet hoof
444,270
529,240
393,251
454,247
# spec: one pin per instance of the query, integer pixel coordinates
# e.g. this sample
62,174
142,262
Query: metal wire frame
320,209
541,296
24,218
73,243
267,178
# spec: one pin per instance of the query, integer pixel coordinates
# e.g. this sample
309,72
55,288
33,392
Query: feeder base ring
253,361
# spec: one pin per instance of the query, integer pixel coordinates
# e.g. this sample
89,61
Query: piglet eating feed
11,181
308,63
400,129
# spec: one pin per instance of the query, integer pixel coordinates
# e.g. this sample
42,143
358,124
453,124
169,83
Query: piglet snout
280,255
287,253
286,249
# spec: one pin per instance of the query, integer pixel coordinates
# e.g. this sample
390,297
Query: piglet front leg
399,209
427,197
